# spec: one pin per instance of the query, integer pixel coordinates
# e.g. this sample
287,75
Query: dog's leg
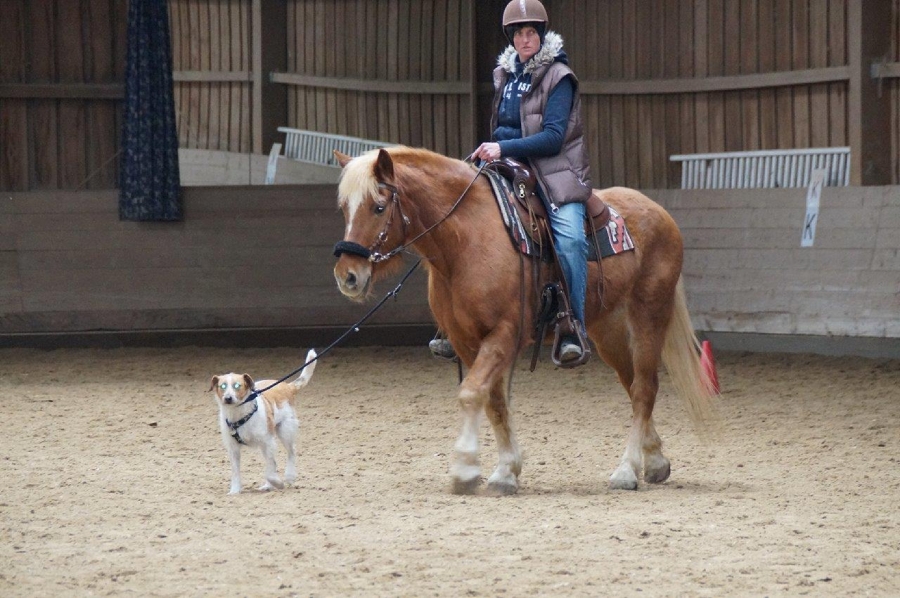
234,453
287,433
272,479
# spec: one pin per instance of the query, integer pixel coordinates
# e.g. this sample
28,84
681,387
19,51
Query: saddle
530,206
554,308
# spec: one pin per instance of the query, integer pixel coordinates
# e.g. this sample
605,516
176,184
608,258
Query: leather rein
371,253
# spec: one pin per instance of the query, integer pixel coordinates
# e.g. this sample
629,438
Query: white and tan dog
258,421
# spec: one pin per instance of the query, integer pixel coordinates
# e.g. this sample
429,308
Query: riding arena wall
252,265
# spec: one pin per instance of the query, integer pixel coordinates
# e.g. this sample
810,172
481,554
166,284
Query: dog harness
235,425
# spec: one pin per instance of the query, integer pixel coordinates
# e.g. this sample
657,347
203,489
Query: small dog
256,422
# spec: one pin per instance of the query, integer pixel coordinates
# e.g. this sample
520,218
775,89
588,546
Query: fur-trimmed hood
551,51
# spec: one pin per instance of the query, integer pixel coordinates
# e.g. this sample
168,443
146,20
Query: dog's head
231,389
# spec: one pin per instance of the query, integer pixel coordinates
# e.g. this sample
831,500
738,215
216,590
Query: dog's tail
305,376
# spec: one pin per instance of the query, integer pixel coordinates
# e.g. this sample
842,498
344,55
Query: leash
354,328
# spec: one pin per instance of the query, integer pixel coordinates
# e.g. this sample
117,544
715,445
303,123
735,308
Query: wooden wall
391,70
260,257
211,62
62,69
659,77
245,257
654,48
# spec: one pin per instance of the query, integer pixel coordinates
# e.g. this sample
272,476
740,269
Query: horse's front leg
495,354
505,479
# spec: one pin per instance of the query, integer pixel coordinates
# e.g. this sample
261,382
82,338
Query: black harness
235,425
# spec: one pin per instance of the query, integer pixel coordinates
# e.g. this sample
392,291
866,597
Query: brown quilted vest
565,177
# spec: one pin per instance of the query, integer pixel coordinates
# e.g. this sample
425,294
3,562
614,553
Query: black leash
354,328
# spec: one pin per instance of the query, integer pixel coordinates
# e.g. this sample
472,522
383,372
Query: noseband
370,253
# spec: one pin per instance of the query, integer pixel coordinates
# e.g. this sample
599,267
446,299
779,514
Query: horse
439,207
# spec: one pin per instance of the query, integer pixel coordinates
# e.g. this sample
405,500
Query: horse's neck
455,232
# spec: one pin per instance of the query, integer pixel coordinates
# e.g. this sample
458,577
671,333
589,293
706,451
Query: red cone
709,367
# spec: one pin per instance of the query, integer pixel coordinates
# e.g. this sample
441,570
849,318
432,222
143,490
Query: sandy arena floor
115,483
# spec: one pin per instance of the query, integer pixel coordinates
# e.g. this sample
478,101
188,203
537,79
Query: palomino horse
404,196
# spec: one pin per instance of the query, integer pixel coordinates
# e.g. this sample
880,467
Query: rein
374,256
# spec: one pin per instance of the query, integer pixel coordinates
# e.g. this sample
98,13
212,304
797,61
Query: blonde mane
358,179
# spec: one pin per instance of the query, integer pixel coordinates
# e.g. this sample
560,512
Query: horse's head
373,218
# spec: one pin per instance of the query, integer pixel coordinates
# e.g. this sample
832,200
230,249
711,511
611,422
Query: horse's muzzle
353,278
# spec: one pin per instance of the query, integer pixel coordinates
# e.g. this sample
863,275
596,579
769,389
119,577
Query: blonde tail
681,356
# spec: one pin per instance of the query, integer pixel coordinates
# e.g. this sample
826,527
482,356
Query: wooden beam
376,85
63,91
709,84
268,101
886,70
212,76
868,108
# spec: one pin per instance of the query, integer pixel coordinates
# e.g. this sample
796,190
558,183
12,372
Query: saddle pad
616,240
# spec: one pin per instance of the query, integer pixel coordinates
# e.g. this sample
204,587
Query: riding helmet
521,12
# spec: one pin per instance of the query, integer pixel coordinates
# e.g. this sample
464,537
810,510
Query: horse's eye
379,209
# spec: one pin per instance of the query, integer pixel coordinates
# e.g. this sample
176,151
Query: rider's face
526,42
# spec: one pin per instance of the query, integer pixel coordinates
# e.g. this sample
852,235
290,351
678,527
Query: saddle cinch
555,307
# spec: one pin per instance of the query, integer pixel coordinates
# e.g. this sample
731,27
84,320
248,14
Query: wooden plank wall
211,59
893,85
261,257
398,41
62,135
244,257
632,134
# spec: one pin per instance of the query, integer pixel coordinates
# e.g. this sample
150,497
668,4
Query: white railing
315,147
763,169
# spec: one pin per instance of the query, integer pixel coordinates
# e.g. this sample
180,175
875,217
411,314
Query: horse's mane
358,178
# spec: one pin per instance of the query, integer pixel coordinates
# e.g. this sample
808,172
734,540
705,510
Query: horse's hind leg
505,479
643,446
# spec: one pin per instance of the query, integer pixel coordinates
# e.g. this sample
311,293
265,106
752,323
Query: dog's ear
248,381
213,383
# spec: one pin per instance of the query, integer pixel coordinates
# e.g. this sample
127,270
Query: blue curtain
149,185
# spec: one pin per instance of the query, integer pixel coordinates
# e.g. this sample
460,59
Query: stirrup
571,347
441,347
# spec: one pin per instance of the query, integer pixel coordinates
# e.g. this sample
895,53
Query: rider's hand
488,151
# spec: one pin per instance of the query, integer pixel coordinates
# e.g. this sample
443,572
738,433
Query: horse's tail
681,356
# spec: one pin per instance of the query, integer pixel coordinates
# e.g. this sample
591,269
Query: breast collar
235,425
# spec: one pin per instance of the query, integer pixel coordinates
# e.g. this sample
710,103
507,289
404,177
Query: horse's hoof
659,473
502,488
623,480
463,487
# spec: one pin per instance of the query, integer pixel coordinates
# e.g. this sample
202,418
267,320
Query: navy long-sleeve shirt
549,141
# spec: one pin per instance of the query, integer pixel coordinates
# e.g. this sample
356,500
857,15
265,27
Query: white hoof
623,478
503,482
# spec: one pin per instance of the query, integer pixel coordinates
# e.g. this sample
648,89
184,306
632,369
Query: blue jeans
571,246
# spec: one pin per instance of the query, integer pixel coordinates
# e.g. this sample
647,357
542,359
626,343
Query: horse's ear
384,166
342,159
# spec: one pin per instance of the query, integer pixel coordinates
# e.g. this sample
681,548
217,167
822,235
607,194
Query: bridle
371,253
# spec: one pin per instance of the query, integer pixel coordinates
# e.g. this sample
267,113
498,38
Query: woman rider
536,118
